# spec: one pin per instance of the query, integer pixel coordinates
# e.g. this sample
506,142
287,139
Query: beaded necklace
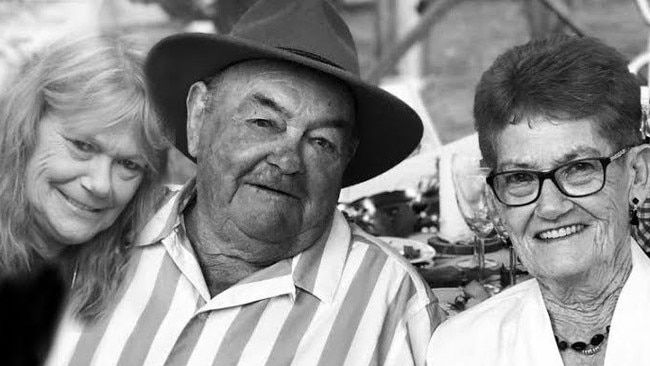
586,349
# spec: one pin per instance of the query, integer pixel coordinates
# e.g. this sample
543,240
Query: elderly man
251,263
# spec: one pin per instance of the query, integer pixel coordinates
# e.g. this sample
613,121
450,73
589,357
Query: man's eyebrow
337,123
270,103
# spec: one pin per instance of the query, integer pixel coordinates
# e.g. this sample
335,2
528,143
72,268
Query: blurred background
453,49
437,48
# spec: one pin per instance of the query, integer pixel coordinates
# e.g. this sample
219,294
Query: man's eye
265,123
82,145
324,143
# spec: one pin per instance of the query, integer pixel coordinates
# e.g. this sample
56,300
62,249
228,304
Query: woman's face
80,178
560,237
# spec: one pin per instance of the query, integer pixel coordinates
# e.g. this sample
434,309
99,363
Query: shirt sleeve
418,322
420,328
412,317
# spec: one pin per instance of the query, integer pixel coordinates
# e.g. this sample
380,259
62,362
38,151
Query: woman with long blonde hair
81,155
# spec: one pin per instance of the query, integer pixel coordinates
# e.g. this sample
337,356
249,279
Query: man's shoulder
165,193
372,243
168,207
402,273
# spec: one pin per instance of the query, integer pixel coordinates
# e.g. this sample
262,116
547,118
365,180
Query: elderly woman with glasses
558,123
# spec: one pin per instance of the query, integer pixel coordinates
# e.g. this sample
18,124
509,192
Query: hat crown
304,32
308,28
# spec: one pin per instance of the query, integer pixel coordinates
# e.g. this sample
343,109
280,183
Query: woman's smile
78,205
79,185
559,236
560,232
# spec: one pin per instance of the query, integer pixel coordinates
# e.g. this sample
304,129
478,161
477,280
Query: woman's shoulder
489,324
491,314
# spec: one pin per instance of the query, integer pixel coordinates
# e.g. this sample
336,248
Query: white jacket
513,327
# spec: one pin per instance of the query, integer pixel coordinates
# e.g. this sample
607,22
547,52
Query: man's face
272,145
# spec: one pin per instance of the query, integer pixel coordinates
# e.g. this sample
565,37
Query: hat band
312,56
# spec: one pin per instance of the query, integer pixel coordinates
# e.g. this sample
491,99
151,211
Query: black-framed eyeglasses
577,178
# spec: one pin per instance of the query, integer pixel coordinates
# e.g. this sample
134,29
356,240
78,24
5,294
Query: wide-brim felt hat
306,32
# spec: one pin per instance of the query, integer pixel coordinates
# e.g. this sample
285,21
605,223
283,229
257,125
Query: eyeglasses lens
575,179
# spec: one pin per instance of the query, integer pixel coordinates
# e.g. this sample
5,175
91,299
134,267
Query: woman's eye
581,167
82,145
519,178
130,165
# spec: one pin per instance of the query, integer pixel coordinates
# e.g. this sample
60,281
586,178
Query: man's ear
641,169
196,103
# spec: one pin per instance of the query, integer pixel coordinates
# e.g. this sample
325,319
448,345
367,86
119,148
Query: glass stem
513,266
479,254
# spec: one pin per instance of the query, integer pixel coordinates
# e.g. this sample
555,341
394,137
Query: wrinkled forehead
106,120
271,76
544,143
280,71
102,107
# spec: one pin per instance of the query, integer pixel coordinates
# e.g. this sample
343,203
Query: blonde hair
99,75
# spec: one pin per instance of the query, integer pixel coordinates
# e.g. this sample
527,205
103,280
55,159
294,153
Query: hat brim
388,129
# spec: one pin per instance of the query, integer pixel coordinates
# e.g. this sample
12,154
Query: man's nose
552,203
97,179
287,156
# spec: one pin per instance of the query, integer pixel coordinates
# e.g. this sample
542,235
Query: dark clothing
30,307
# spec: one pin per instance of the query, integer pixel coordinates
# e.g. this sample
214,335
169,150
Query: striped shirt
349,301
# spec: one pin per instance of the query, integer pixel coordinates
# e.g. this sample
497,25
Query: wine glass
471,195
502,230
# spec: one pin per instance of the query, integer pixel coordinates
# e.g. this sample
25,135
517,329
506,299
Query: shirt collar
168,217
317,270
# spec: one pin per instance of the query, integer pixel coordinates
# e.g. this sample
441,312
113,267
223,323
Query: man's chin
271,231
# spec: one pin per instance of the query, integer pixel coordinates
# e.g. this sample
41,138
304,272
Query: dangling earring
634,218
